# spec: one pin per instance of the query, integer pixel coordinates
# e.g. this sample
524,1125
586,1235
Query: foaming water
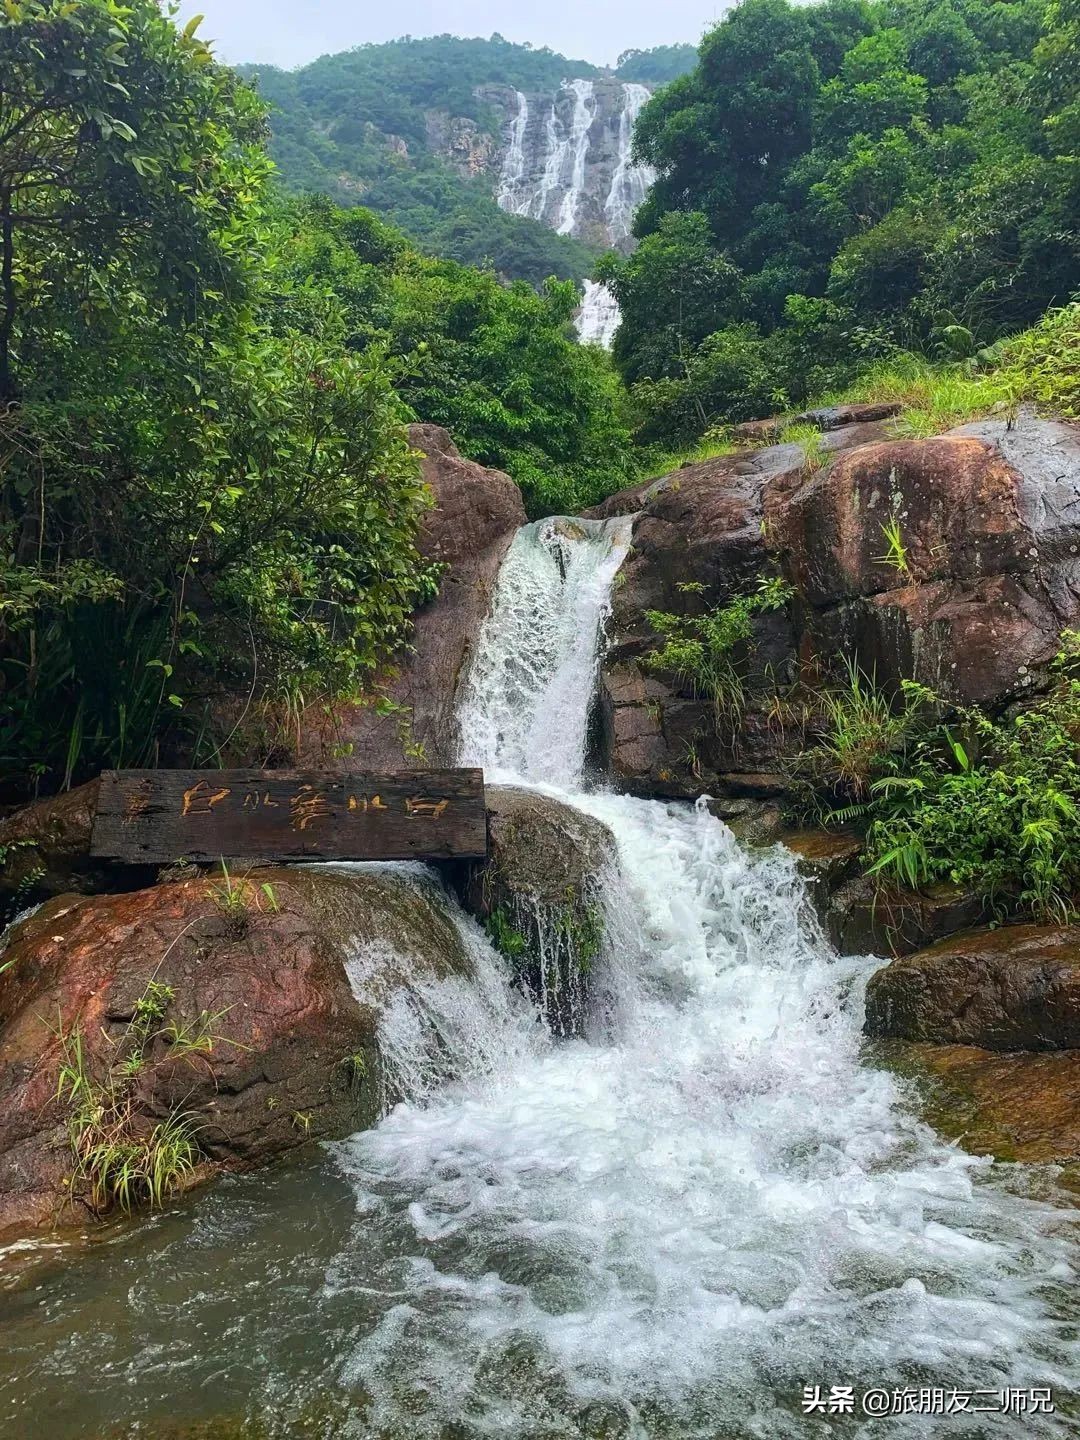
686,1223
525,708
673,1227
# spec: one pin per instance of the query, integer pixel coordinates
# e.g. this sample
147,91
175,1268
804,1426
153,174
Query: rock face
295,980
469,530
1017,988
1015,1107
565,158
989,525
538,894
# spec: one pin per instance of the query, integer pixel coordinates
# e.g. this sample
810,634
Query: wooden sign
162,815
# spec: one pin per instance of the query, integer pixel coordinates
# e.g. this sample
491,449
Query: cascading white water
598,317
557,147
525,706
629,182
578,144
509,195
668,1231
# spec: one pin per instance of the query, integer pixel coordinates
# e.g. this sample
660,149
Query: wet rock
752,822
538,893
475,516
866,918
830,417
1016,1107
990,573
989,522
45,847
1015,988
826,858
294,978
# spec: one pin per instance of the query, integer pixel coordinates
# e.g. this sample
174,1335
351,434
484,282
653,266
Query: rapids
660,1232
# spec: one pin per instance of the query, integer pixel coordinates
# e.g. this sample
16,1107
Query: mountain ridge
417,130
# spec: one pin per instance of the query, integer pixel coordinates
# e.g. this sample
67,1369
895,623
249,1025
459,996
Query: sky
291,32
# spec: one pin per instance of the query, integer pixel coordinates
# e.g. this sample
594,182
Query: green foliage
505,935
957,795
998,809
864,732
495,364
658,66
708,652
196,496
121,1161
896,554
843,181
239,899
364,126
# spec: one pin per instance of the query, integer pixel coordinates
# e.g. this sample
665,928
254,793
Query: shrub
708,652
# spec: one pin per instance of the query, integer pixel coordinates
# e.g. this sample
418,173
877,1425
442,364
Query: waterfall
674,1228
525,707
556,146
513,169
598,318
663,1231
629,182
578,146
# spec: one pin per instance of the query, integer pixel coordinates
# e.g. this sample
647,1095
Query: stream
662,1231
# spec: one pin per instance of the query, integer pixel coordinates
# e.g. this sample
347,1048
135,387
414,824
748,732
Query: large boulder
468,530
1015,988
989,521
259,1001
989,524
539,895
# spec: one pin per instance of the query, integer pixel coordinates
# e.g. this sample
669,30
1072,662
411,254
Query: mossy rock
539,895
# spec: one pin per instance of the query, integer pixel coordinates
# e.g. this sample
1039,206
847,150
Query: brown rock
826,858
45,847
1019,1107
1016,988
288,1022
831,417
865,918
988,517
469,529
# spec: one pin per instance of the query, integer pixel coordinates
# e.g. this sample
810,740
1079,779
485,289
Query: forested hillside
839,182
205,481
377,125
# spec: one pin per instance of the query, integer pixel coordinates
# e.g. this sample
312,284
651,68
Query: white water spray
598,318
629,182
513,169
525,707
673,1229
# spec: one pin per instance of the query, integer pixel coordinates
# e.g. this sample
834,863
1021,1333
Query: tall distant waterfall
629,182
569,163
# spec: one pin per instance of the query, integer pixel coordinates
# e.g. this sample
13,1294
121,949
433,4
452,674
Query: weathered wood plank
161,815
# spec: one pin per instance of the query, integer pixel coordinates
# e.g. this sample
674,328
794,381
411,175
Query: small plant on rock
707,652
122,1161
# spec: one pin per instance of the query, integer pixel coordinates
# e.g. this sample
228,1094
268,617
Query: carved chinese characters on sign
307,815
